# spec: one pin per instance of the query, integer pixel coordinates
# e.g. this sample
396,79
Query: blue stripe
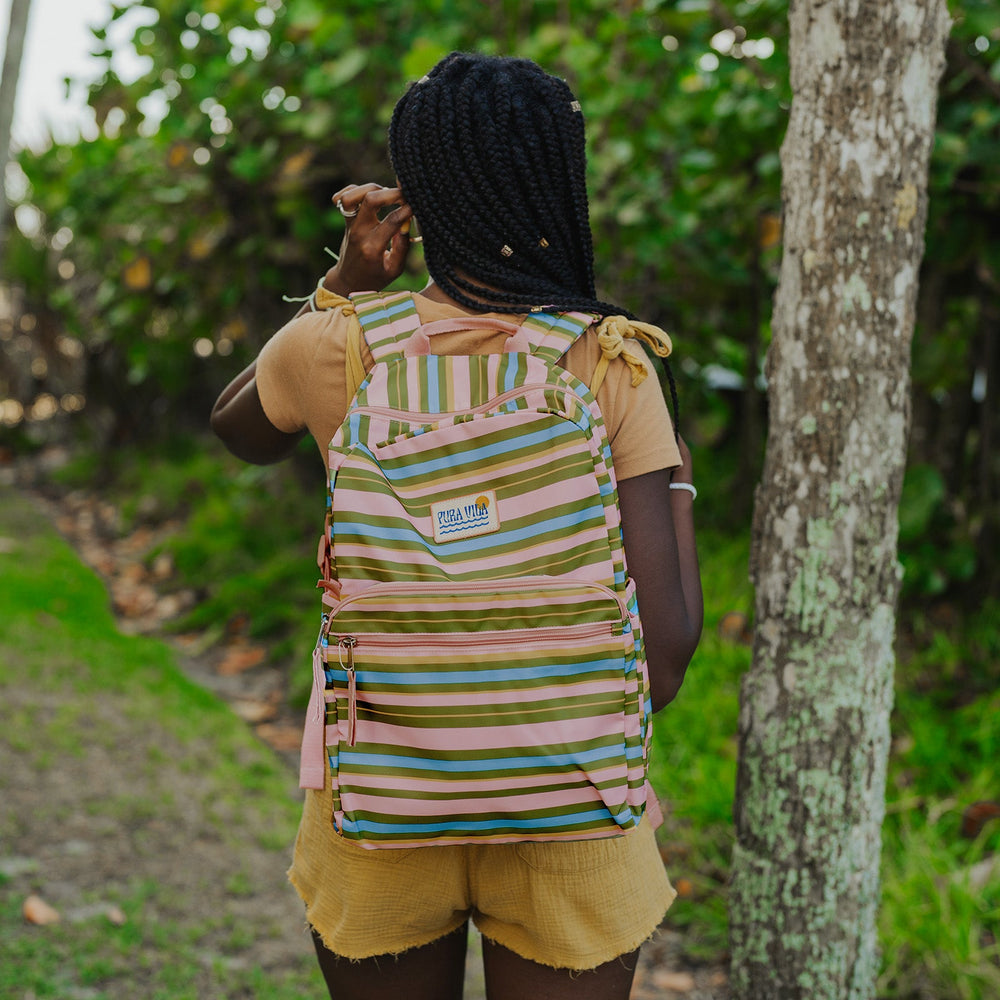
549,671
482,454
408,533
473,826
433,386
625,665
387,313
510,371
565,323
359,758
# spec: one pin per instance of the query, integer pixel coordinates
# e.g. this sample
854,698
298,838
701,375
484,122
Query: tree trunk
13,51
814,722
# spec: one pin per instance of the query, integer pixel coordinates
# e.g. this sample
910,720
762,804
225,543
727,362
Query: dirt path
236,670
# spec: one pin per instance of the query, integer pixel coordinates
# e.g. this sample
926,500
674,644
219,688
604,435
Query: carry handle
419,343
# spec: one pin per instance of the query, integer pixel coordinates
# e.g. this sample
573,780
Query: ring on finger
344,212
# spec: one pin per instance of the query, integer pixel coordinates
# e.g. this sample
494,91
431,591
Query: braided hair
490,154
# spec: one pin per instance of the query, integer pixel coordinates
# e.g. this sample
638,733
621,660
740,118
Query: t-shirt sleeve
283,368
640,431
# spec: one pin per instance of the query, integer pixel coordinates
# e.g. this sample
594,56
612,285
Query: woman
489,158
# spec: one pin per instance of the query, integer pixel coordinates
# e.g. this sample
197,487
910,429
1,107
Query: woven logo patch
465,517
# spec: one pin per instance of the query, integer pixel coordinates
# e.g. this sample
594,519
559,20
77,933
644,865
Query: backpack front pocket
486,712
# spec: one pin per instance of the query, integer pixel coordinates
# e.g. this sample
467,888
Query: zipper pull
312,762
319,674
349,642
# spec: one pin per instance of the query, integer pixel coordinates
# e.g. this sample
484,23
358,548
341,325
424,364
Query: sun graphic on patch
483,503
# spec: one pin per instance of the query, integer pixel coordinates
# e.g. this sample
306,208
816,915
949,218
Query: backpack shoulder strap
387,321
552,334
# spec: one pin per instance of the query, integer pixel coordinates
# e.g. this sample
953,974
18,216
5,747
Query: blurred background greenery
147,263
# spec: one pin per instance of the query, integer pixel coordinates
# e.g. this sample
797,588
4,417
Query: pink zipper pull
352,687
312,759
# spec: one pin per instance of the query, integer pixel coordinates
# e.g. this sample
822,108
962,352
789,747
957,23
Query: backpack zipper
479,587
394,640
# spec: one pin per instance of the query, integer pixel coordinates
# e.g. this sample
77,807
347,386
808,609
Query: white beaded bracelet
685,486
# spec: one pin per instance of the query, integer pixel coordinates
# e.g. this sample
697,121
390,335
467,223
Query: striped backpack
479,675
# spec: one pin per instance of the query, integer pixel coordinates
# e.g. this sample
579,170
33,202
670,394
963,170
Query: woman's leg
510,977
434,972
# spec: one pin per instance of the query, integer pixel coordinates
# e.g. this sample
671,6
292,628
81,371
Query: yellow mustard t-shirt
302,383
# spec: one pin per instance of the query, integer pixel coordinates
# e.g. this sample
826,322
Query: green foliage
205,193
940,919
955,363
693,768
936,549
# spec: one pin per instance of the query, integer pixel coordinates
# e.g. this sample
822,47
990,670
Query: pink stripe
419,650
541,598
526,504
475,786
501,697
540,734
466,434
460,484
461,384
603,571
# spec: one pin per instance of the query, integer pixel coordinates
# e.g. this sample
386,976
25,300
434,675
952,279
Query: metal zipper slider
324,623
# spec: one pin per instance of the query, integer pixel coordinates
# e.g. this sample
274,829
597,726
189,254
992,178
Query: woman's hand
373,252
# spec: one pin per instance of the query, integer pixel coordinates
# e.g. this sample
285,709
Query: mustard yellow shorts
572,905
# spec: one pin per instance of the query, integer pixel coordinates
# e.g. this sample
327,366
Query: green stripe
510,815
578,559
612,744
447,716
495,788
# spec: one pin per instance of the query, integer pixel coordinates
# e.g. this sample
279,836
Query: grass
113,763
940,919
693,765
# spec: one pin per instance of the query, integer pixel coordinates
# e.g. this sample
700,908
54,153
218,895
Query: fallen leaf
134,572
280,737
977,816
163,566
241,658
684,887
133,601
733,627
679,982
253,710
37,911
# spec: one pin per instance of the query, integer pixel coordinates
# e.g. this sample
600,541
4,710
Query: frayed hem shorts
570,905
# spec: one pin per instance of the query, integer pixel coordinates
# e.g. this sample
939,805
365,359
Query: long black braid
490,154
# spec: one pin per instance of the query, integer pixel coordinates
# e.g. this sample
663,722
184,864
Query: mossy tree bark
814,721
